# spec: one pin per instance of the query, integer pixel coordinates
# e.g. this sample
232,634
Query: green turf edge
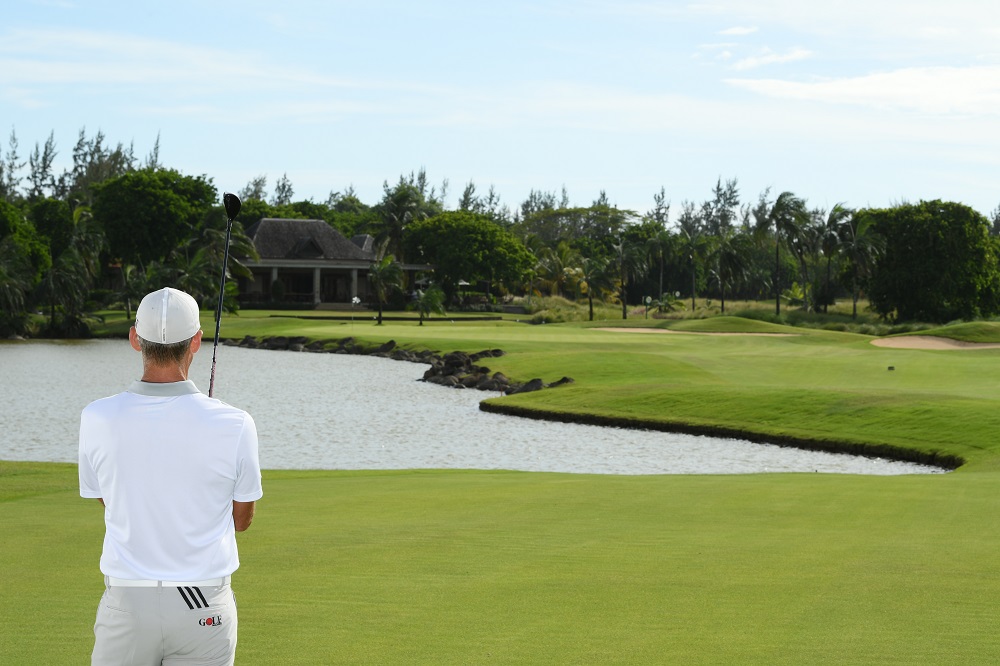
931,457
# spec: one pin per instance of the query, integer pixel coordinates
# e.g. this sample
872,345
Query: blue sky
868,103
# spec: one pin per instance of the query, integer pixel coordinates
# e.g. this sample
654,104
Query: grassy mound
975,331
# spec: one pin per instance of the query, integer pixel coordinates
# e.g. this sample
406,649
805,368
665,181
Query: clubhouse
310,262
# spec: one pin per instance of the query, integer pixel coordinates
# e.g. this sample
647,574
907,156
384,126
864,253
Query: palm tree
555,267
692,244
65,284
785,216
829,239
804,243
133,287
400,207
196,274
385,275
730,250
861,245
660,248
594,277
627,262
15,282
429,301
204,251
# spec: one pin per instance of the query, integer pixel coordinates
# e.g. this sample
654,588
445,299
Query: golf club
233,205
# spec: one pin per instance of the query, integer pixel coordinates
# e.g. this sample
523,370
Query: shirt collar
167,390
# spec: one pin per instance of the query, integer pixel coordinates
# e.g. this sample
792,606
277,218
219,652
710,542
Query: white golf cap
167,316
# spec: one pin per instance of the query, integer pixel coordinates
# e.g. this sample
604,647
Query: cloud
38,66
952,91
888,26
739,30
769,57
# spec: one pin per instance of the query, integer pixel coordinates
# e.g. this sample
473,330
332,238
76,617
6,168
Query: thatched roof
365,242
303,239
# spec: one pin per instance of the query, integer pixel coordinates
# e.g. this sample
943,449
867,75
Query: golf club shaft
218,309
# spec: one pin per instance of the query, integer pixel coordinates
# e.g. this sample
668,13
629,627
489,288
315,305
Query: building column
274,277
316,286
354,282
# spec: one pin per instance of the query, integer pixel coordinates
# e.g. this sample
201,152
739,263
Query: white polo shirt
168,461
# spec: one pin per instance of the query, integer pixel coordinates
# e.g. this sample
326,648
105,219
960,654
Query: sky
866,103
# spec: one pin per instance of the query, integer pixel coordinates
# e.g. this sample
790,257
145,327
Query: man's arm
243,514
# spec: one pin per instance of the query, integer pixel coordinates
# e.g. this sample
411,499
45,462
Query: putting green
435,567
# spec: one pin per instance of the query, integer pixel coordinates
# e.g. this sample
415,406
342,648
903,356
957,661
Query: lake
332,411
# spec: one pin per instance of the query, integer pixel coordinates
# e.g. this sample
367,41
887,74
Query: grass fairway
464,567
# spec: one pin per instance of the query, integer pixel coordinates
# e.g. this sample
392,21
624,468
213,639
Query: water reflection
325,411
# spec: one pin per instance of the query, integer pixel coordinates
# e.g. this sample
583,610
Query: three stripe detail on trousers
193,598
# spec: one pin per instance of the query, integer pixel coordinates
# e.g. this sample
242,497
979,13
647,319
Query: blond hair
159,354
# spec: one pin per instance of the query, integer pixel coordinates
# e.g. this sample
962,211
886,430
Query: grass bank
484,567
462,567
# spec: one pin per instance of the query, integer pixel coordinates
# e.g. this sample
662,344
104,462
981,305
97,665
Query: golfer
178,475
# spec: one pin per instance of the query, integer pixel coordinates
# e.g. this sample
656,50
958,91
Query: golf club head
233,205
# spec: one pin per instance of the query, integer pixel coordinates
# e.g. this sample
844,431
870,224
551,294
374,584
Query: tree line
114,226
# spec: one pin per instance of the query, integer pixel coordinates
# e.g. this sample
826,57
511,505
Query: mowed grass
476,567
466,567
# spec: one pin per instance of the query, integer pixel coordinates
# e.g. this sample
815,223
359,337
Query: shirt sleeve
90,487
248,484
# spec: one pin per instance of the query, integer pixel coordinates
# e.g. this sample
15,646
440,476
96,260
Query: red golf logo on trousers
214,621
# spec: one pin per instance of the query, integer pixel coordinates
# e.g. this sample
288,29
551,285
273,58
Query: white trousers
165,625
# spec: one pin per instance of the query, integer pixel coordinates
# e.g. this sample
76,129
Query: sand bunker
930,342
667,330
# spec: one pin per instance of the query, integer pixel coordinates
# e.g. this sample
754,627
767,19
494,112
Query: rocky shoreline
455,369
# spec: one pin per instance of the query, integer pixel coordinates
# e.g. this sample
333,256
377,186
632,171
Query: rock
532,385
278,342
472,381
454,370
450,380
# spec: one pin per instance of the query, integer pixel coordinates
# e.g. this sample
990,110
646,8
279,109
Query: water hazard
326,411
